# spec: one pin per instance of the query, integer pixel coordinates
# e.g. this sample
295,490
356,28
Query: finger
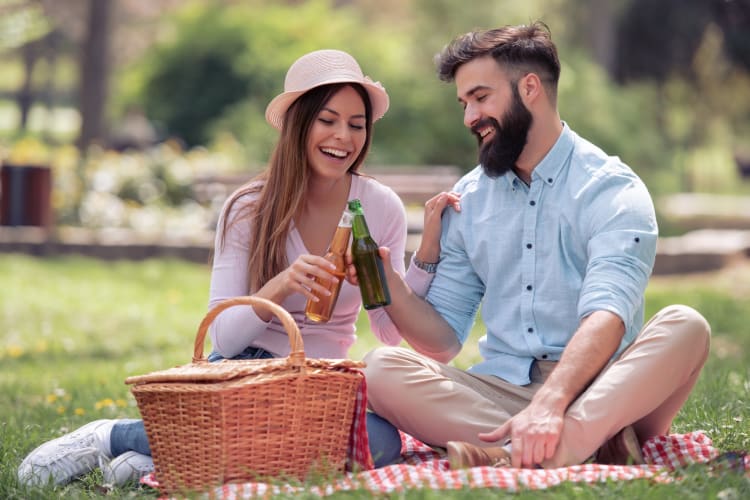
516,451
454,199
443,200
388,271
496,435
312,274
551,447
439,204
450,198
436,203
351,274
431,202
308,286
317,266
304,290
527,459
385,254
537,455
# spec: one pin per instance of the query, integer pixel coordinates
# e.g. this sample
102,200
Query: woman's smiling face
337,136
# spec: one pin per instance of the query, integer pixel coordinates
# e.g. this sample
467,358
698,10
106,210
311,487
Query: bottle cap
355,206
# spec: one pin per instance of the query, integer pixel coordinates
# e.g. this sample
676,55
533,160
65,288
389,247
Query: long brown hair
282,186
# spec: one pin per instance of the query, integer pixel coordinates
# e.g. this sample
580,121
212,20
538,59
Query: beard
501,154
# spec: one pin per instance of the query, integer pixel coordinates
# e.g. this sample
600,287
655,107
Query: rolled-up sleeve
622,250
456,291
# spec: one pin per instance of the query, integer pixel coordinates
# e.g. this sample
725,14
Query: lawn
72,329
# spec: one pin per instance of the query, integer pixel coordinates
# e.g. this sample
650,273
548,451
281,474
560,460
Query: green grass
72,329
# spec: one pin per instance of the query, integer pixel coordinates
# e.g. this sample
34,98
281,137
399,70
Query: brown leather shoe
462,455
621,449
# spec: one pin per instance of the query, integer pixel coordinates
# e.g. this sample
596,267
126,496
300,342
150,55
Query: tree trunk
46,94
25,96
94,65
602,33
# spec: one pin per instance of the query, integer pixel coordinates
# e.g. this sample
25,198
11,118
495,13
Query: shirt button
532,203
530,330
529,287
544,356
529,246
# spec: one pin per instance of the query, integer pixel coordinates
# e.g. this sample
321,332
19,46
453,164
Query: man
556,241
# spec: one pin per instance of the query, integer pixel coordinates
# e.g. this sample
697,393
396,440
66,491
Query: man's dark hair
517,49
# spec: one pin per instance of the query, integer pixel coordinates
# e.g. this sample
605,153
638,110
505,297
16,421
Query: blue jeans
385,441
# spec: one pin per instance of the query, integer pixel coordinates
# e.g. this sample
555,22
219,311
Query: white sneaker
128,467
67,457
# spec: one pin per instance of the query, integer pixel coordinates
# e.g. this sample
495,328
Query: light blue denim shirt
540,258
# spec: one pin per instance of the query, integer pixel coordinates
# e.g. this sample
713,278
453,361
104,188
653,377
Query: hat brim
277,108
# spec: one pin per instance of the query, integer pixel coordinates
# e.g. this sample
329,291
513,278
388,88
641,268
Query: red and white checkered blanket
424,467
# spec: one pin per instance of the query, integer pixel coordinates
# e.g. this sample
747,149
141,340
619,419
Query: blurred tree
30,53
195,78
601,35
24,28
21,22
94,70
650,81
220,67
589,25
695,51
659,39
733,17
43,33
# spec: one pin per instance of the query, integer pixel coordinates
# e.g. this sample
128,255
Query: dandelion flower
15,351
104,403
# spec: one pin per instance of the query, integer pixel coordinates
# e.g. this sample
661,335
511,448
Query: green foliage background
674,103
679,129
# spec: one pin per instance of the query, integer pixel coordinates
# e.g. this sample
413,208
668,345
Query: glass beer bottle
367,262
321,310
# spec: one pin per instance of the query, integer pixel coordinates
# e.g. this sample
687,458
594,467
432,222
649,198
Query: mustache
482,124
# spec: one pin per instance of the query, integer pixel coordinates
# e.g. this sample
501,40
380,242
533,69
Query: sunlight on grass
72,329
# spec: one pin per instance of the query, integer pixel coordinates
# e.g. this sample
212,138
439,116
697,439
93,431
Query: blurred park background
140,110
123,123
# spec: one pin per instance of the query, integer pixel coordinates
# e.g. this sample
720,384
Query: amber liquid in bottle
367,262
321,311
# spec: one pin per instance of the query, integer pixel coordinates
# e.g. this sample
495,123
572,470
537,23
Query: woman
270,239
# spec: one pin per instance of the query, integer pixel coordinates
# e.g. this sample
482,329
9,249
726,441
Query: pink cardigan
237,327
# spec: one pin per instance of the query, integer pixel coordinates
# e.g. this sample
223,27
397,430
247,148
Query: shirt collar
548,170
552,164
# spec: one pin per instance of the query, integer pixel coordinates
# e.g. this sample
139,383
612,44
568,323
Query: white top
238,327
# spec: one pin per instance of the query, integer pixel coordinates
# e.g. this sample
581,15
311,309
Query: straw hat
323,67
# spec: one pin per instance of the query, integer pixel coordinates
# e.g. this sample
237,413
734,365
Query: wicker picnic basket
245,420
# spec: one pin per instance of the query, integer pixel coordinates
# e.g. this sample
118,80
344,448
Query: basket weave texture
244,420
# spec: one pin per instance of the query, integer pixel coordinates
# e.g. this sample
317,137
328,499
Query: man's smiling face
494,112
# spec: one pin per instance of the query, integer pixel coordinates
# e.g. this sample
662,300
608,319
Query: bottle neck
359,226
340,240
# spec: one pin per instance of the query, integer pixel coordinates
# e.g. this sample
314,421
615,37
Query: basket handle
297,353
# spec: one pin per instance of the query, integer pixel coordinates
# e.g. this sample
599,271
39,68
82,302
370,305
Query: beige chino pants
645,387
